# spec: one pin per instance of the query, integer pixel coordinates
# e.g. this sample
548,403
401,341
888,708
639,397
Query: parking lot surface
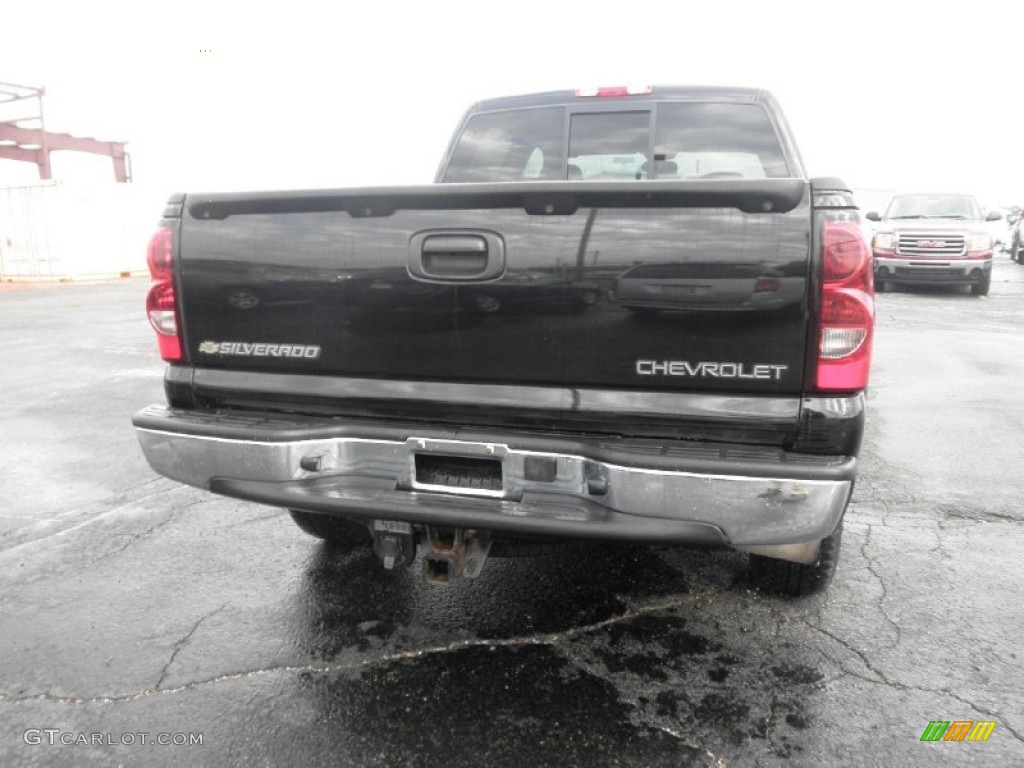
133,609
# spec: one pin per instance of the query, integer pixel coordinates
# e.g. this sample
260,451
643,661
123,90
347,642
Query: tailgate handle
456,256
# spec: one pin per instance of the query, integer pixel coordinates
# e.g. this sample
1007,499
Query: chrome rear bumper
748,499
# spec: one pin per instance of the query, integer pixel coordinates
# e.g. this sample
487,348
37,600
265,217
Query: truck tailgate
682,287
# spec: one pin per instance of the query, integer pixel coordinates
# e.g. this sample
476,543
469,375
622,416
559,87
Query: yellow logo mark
982,730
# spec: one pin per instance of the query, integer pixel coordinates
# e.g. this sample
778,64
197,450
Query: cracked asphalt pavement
131,606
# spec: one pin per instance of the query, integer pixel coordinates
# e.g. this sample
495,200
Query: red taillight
161,303
845,251
615,90
847,309
160,254
160,308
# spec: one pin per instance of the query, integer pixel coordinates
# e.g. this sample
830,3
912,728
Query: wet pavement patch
722,711
798,674
494,707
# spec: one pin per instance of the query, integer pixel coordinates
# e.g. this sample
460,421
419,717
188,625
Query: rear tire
770,574
336,530
881,286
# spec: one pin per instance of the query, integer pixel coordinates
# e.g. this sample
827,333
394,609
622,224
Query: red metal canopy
33,143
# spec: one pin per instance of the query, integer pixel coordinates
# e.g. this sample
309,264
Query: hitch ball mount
448,553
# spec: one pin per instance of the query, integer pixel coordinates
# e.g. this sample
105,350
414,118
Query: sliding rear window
692,140
609,146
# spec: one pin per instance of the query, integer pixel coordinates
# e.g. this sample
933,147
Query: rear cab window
591,142
514,145
717,141
610,146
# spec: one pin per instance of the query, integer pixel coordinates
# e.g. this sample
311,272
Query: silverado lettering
259,350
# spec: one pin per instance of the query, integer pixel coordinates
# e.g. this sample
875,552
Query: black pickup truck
620,314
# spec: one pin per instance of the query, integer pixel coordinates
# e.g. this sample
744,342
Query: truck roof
658,93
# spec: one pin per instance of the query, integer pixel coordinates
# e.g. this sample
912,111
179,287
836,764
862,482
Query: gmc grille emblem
931,243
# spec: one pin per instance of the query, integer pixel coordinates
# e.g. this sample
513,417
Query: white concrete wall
53,231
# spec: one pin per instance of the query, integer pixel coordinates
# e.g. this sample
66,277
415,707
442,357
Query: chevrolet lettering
663,337
718,370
